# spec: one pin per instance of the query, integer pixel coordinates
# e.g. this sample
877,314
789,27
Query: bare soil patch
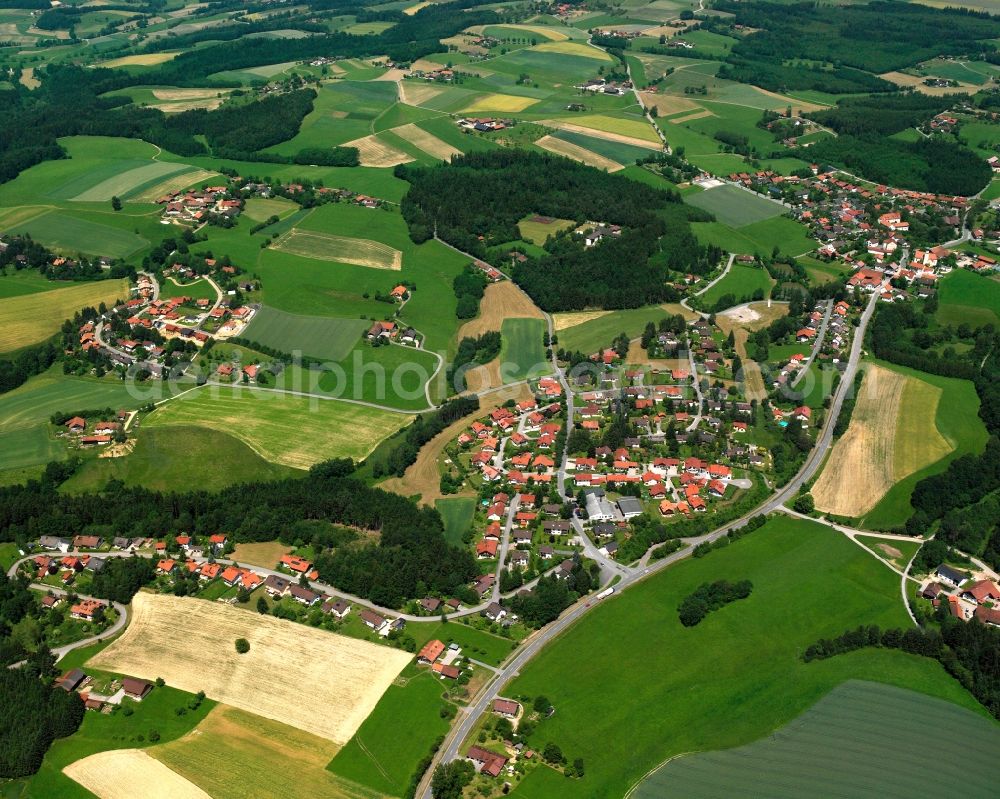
691,117
266,553
414,93
313,680
562,321
891,551
427,142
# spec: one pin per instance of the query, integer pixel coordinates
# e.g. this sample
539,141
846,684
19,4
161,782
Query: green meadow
316,336
592,336
522,353
734,206
741,281
456,513
732,679
176,458
966,297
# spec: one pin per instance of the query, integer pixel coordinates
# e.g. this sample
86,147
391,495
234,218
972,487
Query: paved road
820,338
467,720
725,271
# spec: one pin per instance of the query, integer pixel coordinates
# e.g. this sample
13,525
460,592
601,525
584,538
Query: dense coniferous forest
34,712
410,549
478,199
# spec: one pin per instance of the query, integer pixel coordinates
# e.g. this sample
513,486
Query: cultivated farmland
31,318
189,643
427,142
862,739
892,434
327,247
501,103
678,695
522,354
735,207
120,185
317,336
73,235
577,153
127,773
271,759
290,430
372,151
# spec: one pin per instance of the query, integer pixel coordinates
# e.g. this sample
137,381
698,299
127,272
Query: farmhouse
486,762
372,619
506,707
73,680
136,689
431,651
336,607
86,609
951,576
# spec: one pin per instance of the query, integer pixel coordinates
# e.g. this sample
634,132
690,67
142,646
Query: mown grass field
740,282
385,751
957,420
456,513
758,237
285,429
25,281
862,738
196,290
968,298
73,235
735,207
522,353
176,458
728,681
31,318
536,231
594,334
317,336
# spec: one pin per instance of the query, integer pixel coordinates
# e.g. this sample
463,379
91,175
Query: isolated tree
242,645
553,754
116,204
804,503
542,704
262,605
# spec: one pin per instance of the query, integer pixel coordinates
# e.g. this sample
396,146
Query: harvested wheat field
415,93
128,773
271,759
172,184
327,247
500,102
411,10
691,117
561,321
290,671
427,142
265,554
500,301
667,104
372,151
424,477
392,75
917,82
147,60
892,434
577,153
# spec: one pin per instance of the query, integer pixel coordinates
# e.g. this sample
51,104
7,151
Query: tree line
710,596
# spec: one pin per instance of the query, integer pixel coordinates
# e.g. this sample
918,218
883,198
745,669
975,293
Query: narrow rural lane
817,345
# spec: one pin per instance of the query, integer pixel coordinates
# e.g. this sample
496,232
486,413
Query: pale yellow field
691,117
562,321
172,184
327,247
270,759
372,151
667,104
147,60
266,553
626,131
427,142
283,428
34,317
415,8
550,33
500,103
11,217
320,682
209,104
504,300
892,434
187,94
577,153
28,78
414,92
574,48
128,773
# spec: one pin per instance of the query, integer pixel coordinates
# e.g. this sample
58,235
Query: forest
410,552
875,37
934,165
969,651
477,200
